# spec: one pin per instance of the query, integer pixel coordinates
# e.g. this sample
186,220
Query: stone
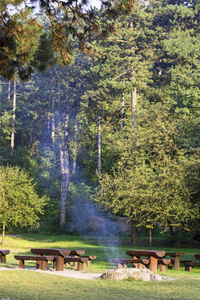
134,273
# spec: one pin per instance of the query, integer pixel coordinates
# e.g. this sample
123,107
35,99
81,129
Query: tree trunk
75,147
99,145
134,107
122,111
173,234
65,172
63,127
134,234
53,122
9,91
13,119
3,233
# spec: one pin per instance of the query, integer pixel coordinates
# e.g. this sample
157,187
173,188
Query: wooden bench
136,262
182,261
79,259
42,261
189,265
3,254
162,263
141,263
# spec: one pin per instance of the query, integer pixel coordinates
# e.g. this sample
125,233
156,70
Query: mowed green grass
25,284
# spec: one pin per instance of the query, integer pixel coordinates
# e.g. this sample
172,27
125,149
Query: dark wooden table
153,256
58,253
176,256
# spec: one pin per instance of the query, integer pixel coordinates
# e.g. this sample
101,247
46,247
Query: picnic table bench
3,254
175,259
153,259
41,261
79,260
189,265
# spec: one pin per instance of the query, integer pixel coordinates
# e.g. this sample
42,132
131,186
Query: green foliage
154,180
20,204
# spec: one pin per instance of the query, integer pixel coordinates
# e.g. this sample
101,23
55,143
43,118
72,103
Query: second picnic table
59,254
153,256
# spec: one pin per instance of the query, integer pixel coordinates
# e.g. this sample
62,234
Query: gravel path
66,273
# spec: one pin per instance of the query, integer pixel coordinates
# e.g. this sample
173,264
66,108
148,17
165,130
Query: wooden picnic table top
148,253
175,254
4,252
57,252
49,251
197,256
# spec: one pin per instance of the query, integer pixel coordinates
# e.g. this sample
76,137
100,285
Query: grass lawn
24,284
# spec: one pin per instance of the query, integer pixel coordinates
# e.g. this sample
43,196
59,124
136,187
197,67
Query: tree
20,204
24,44
155,181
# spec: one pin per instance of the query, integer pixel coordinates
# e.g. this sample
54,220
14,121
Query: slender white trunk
53,122
99,145
122,112
13,119
134,107
9,91
65,172
75,146
123,103
63,127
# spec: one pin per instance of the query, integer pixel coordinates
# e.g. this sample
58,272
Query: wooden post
162,268
176,262
150,239
21,264
80,266
44,265
60,263
3,258
153,264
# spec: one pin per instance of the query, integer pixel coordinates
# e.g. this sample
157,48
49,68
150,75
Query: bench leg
162,268
89,263
44,265
21,264
188,268
3,259
38,264
176,263
75,265
120,266
60,263
80,266
170,266
153,264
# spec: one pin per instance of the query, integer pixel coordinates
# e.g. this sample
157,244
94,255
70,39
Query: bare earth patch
66,273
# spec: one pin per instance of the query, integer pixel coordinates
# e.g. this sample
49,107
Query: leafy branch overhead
24,42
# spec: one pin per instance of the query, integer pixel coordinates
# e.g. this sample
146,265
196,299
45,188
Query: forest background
115,133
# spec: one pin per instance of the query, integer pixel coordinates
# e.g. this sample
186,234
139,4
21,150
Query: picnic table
176,258
59,254
153,255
